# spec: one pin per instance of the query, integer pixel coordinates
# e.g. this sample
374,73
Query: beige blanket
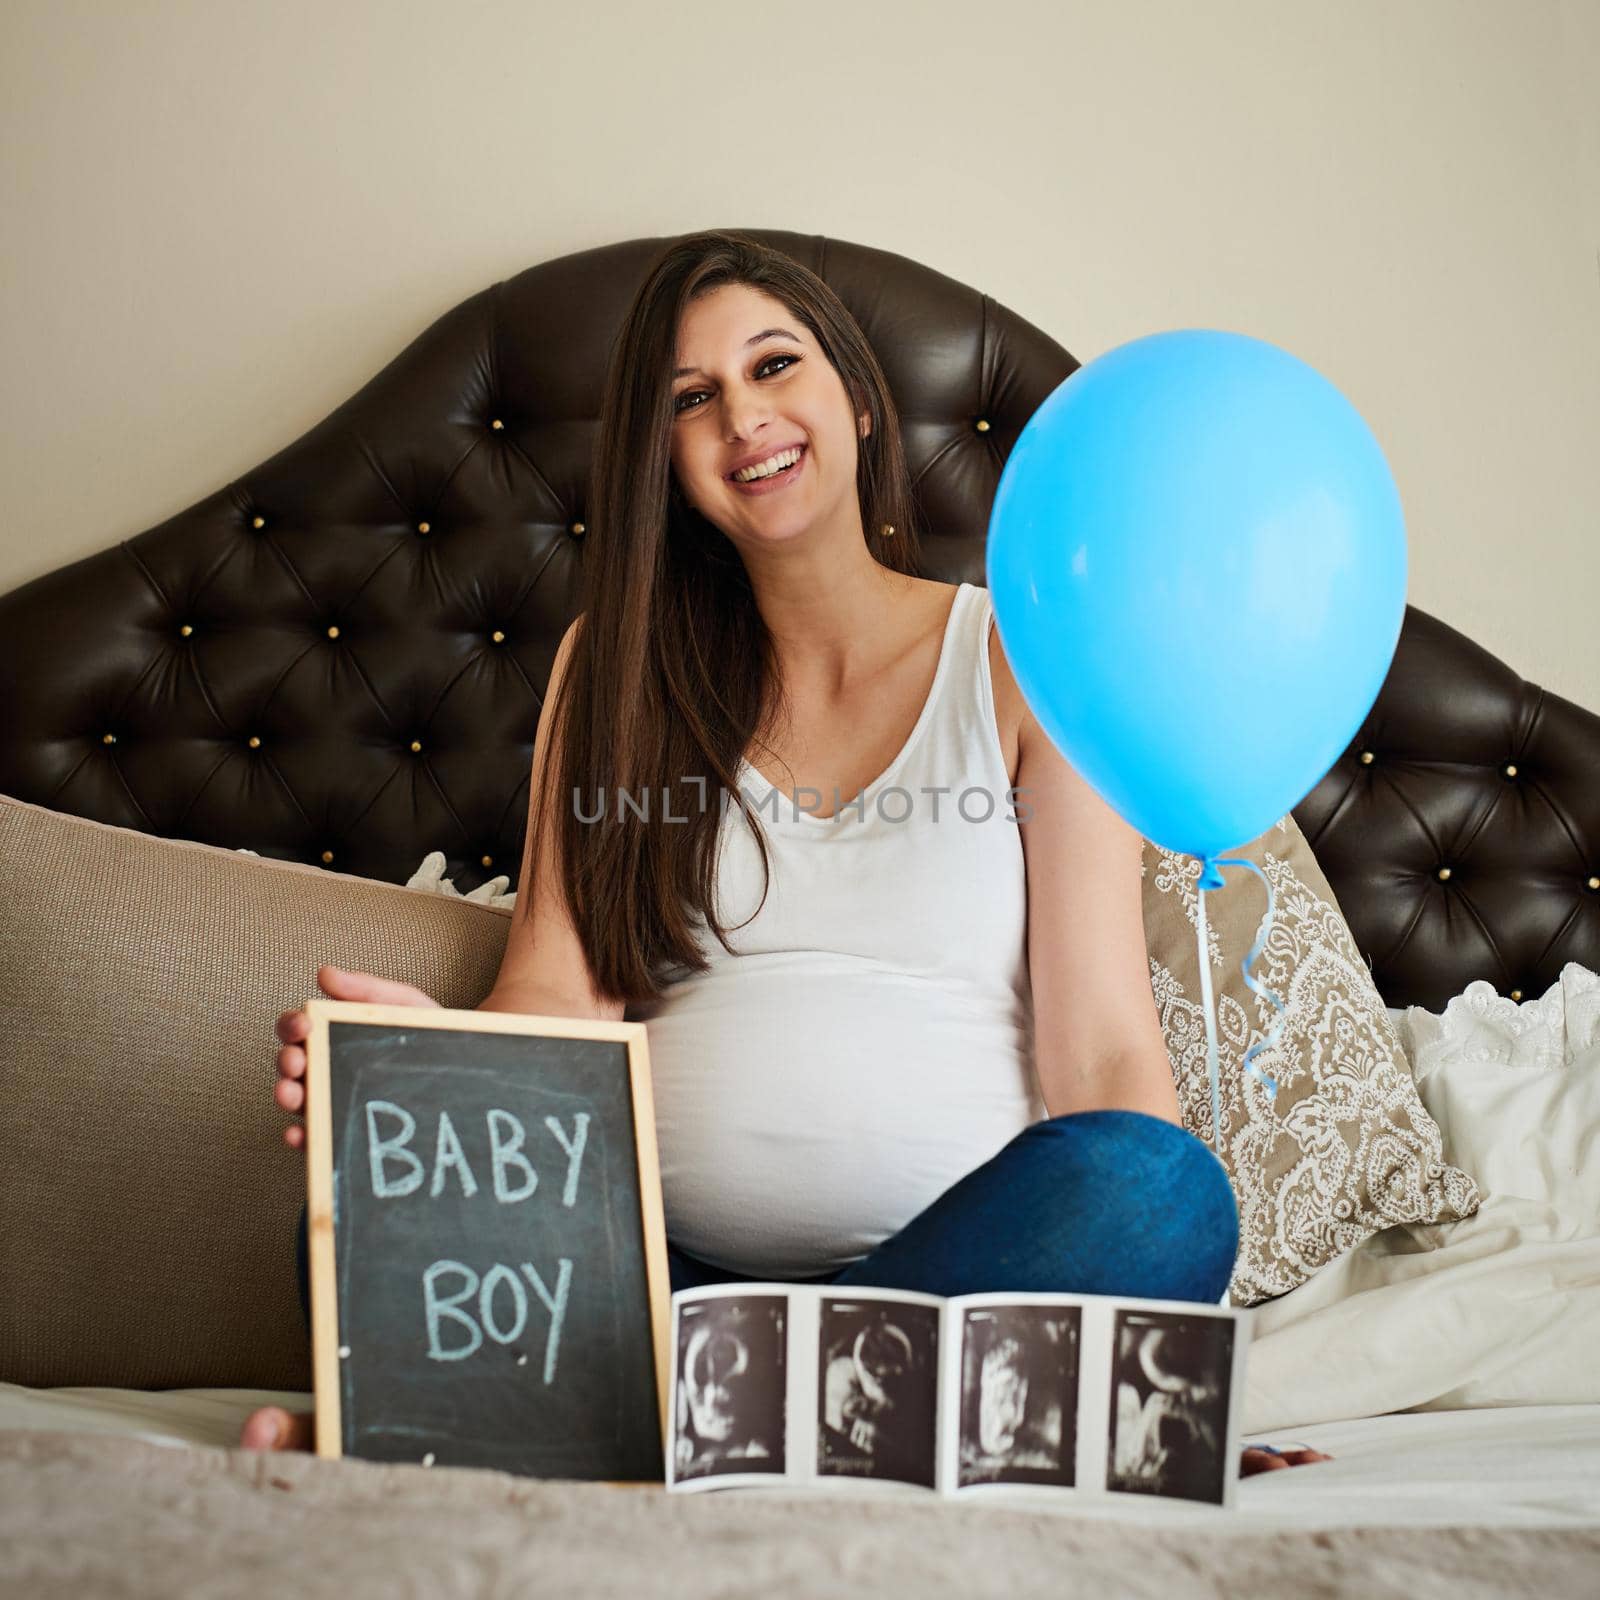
82,1515
1500,1500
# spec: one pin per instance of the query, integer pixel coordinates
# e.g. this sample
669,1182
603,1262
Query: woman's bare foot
273,1428
1255,1460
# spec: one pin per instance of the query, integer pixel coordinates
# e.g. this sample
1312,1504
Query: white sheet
1501,1308
1523,1466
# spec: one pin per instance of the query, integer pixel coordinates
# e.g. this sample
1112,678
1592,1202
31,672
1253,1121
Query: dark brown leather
480,432
1478,774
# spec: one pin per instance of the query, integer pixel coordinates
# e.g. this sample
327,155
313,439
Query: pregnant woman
789,808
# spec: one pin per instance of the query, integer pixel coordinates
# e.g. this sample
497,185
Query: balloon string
1211,1023
1211,878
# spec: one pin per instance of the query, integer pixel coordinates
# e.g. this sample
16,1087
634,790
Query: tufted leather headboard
340,657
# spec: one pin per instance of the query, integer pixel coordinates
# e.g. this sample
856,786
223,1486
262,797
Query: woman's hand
294,1027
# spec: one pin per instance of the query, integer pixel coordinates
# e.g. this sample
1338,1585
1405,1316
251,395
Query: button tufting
258,522
108,738
1594,883
1367,758
327,856
254,741
497,425
578,530
486,861
186,630
333,632
1444,874
498,637
416,747
424,527
981,425
1511,769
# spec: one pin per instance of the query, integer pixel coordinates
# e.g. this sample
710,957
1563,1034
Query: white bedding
1525,1466
1503,1307
1497,1310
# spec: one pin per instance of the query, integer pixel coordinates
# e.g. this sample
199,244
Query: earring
888,528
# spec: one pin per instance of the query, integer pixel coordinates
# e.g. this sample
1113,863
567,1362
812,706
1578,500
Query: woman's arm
1097,1037
544,970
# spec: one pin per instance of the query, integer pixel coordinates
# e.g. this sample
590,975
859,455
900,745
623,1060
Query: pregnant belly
813,1106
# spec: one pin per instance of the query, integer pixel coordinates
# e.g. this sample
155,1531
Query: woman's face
757,385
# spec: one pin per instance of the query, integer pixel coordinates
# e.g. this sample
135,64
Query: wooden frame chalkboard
489,1279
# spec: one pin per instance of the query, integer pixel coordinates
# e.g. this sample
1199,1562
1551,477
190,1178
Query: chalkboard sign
488,1258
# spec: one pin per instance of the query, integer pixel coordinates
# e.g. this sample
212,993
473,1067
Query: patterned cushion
1346,1148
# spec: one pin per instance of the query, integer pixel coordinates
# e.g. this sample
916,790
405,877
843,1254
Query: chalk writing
438,1308
396,1170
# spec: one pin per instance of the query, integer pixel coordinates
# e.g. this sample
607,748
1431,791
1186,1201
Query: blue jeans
1097,1202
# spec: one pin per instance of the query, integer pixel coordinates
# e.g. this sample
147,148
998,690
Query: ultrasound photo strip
992,1395
729,1392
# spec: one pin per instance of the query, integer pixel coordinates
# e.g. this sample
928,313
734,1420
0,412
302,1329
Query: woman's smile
774,481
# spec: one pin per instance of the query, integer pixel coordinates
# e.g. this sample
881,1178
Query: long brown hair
672,672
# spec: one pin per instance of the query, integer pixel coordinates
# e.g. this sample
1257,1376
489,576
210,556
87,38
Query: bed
336,661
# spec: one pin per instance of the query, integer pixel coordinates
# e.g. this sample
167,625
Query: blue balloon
1197,561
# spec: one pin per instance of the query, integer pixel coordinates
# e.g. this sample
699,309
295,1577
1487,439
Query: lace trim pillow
1347,1148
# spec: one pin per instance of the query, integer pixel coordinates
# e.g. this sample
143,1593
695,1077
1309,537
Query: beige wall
222,216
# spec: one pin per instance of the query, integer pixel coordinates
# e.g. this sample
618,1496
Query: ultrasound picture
1169,1413
731,1382
1019,1395
877,1382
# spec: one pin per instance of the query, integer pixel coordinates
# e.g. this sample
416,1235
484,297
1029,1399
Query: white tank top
871,1042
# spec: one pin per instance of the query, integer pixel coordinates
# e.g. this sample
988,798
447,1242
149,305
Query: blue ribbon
1211,878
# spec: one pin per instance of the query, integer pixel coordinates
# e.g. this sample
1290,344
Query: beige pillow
1346,1148
150,1203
